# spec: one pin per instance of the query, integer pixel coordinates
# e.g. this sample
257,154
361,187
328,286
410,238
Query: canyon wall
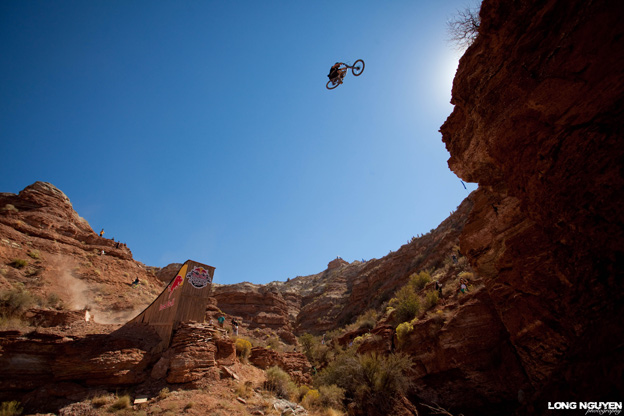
538,123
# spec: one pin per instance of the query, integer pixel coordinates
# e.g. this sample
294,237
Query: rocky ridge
50,250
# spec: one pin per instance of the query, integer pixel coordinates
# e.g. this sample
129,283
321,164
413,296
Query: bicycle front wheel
358,67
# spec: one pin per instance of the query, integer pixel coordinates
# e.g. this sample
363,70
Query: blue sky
203,130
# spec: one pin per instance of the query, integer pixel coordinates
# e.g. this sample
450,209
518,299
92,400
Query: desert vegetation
12,408
463,28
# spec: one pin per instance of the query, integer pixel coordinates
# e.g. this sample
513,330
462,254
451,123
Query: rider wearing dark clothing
334,72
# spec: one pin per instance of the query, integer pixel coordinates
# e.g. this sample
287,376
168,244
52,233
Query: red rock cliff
538,123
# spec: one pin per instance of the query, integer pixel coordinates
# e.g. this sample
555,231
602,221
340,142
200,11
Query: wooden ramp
183,300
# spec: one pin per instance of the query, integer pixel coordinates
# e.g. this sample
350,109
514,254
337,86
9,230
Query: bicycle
357,68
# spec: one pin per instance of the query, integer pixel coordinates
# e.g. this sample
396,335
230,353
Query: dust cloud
79,296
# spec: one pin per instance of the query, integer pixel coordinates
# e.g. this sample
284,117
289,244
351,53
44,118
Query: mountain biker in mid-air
338,71
336,74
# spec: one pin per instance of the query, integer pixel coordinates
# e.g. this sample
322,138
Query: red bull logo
166,305
177,282
198,277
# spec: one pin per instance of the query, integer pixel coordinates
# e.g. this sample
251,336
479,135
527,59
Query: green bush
122,402
385,378
403,330
15,301
311,399
279,383
307,342
344,371
10,208
372,381
35,254
419,280
367,320
99,401
431,299
406,304
54,301
274,343
163,393
243,348
12,408
331,397
19,263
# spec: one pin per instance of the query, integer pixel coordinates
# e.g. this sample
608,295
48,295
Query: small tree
463,28
307,342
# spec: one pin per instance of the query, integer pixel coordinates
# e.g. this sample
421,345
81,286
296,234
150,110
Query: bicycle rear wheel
358,67
331,86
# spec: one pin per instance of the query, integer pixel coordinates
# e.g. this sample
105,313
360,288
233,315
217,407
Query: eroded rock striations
538,123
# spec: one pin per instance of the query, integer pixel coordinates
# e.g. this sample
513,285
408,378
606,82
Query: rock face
38,362
258,307
63,258
294,363
538,123
196,351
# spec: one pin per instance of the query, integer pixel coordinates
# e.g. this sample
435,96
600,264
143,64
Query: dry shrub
19,263
11,408
279,383
15,301
311,399
164,393
405,303
372,381
243,348
331,397
419,280
122,402
99,401
367,320
244,390
403,331
431,299
35,254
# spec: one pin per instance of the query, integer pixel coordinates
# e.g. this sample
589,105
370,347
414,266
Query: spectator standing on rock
221,319
438,287
102,232
136,282
463,285
235,326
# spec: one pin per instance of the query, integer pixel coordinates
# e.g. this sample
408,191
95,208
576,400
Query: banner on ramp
184,299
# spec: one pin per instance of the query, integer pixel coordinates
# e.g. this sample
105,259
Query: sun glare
443,72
